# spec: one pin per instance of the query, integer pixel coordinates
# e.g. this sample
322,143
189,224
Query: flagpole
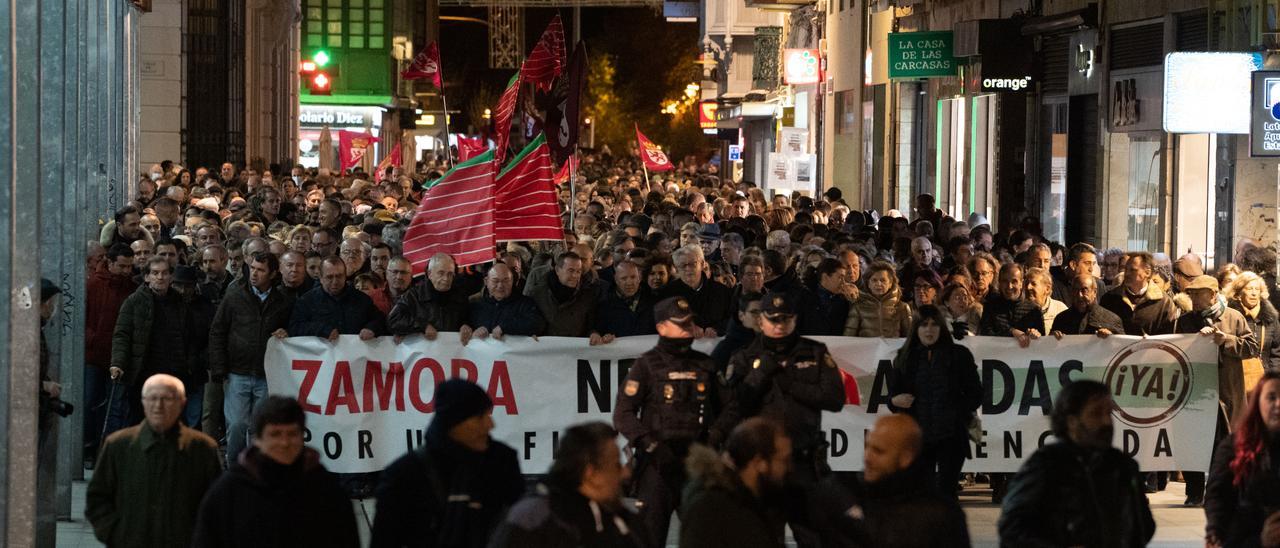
646,175
573,193
447,151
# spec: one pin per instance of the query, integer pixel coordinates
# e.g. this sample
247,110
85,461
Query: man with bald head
151,477
434,306
891,488
496,311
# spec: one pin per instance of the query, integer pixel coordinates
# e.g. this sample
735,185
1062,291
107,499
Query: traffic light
317,73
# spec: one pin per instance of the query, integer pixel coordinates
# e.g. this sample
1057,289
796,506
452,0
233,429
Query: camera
61,408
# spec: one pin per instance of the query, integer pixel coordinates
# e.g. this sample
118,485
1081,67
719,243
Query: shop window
1144,194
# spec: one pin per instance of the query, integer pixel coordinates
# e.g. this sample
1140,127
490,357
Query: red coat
104,294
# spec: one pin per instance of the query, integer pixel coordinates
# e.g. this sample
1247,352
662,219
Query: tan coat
869,316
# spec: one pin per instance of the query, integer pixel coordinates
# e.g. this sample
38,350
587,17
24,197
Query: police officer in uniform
792,380
669,402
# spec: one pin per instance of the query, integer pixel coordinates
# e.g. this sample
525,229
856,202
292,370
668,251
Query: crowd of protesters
190,280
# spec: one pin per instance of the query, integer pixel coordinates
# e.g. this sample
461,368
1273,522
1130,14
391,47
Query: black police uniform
791,380
670,401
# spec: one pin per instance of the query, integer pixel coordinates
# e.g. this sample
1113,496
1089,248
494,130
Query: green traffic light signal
321,58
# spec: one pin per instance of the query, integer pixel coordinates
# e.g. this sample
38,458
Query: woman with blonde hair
879,311
1248,294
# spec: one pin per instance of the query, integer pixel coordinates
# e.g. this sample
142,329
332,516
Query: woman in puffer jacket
879,311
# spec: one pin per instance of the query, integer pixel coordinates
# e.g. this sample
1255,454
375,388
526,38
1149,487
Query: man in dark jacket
712,302
741,332
105,292
150,334
200,314
624,309
832,309
790,379
737,506
455,488
253,311
215,278
151,477
670,401
893,485
1078,491
497,312
294,280
1086,316
566,300
335,308
1143,307
277,481
434,306
580,503
1008,314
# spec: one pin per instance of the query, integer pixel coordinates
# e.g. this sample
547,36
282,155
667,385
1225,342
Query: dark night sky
641,42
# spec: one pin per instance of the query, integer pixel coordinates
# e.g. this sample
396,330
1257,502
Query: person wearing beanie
456,487
792,380
670,402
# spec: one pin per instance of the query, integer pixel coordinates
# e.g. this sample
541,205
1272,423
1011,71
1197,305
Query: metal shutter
1193,30
1054,64
1138,46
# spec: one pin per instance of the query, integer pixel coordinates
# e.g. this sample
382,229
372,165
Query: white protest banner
369,402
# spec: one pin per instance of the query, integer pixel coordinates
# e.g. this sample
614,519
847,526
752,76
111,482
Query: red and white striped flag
525,196
502,118
546,61
456,216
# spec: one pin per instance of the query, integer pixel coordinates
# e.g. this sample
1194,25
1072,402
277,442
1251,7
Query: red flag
546,61
525,197
502,118
562,176
469,148
456,216
654,158
391,159
425,65
352,147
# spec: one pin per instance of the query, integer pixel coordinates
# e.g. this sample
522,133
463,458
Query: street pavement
1176,526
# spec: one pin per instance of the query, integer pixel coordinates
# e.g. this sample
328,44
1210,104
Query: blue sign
735,153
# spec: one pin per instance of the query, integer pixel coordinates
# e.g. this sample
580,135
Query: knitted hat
456,401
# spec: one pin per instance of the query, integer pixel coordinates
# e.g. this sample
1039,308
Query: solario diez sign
1264,114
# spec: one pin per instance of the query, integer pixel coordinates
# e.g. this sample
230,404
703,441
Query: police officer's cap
777,306
675,310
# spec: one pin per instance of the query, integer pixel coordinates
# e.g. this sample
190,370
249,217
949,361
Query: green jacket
147,486
132,336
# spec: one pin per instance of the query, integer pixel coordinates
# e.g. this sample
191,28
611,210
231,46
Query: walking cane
106,417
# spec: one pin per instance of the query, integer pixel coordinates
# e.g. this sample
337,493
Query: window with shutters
1134,46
